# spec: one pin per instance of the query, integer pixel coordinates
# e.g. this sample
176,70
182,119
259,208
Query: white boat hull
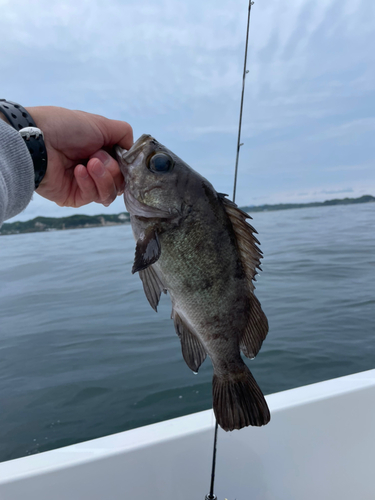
320,444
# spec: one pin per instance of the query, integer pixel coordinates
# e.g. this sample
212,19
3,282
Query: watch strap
22,121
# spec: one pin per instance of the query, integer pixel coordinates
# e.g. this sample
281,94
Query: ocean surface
83,355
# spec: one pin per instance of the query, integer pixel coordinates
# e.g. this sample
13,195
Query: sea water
83,355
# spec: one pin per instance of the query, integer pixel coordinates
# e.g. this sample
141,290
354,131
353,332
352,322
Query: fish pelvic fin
192,348
238,401
147,250
152,286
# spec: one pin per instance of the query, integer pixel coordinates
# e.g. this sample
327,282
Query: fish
197,245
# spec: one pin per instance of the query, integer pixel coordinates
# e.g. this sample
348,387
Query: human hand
76,138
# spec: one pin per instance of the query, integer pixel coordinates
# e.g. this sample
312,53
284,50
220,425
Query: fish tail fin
238,401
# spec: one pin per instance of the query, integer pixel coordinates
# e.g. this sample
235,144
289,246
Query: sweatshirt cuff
16,173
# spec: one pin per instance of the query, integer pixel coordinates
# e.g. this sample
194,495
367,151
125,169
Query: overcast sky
174,70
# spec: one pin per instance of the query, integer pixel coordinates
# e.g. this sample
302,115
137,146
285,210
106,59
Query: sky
174,70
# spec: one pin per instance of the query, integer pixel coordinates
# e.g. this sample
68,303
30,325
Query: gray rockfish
196,244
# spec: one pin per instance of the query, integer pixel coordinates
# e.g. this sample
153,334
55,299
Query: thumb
115,132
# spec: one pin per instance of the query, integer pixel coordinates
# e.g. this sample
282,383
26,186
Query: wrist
19,118
4,118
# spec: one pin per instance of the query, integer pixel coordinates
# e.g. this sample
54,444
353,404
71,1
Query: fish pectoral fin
256,329
147,250
152,286
193,350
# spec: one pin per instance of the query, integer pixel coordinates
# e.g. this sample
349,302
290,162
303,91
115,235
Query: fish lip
128,156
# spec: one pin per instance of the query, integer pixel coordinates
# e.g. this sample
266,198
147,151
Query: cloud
174,70
41,207
316,194
351,168
336,191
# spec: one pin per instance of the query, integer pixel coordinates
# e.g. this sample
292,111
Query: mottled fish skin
197,245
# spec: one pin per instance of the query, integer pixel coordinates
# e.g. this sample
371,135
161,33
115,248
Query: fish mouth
128,156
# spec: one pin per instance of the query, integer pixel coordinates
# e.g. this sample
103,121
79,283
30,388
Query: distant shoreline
42,224
367,198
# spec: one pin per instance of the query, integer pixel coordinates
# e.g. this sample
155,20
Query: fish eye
160,162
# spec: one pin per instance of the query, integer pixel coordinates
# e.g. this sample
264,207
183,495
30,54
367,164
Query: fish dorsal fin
147,250
152,286
193,351
250,255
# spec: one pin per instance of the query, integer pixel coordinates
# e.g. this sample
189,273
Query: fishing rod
245,71
211,495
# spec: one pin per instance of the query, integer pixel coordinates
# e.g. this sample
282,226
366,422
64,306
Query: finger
104,182
112,167
116,132
87,191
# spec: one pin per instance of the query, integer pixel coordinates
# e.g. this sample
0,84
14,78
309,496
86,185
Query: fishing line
211,495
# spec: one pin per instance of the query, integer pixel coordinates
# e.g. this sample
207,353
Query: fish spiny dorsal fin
250,255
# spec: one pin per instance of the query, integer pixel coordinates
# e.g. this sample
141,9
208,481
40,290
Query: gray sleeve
16,173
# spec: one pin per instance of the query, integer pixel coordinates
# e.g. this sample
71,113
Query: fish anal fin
152,286
193,351
147,250
256,329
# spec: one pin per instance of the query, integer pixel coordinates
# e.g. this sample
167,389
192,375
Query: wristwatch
21,120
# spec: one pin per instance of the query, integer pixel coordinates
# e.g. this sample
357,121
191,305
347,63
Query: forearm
80,169
16,172
3,117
